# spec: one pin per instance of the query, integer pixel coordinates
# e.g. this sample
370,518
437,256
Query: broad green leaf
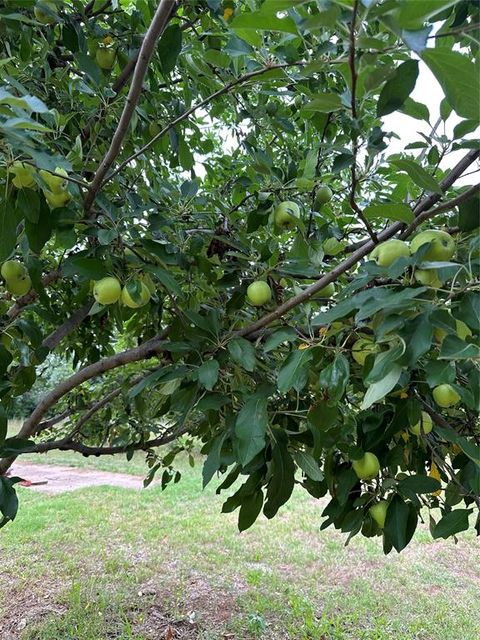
169,48
384,362
418,174
453,348
308,465
279,337
8,498
458,78
250,428
16,446
250,510
390,211
325,103
208,374
415,110
452,523
400,523
263,22
468,218
3,425
379,390
243,353
334,378
212,462
412,14
8,229
282,479
87,268
418,484
398,88
294,373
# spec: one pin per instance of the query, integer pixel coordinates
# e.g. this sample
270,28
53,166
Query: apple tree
209,224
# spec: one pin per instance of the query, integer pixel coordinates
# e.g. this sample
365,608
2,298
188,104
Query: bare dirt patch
59,478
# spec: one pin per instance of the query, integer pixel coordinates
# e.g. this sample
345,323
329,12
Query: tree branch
159,22
359,253
225,89
52,340
32,295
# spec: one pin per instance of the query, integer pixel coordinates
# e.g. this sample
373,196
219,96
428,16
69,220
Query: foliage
238,107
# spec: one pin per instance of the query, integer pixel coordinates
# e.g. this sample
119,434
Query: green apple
286,214
107,290
56,200
387,252
12,270
332,247
23,175
442,245
324,194
445,396
105,57
259,293
56,184
19,286
328,291
428,277
45,12
153,129
378,512
425,422
143,297
367,467
362,348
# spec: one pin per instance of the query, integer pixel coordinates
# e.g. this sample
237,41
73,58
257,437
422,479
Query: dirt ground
56,478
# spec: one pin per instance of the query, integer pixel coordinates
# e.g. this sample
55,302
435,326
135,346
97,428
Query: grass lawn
104,563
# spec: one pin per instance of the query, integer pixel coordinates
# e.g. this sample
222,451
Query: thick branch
225,89
52,340
159,22
360,252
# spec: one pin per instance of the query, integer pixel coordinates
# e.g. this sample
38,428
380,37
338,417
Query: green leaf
324,103
469,310
212,462
89,66
379,390
208,374
308,465
167,280
334,378
468,218
250,428
260,21
418,484
400,523
3,424
250,510
16,446
39,233
390,211
452,523
453,348
243,353
294,373
439,372
8,229
415,110
27,103
397,89
418,174
8,498
169,48
458,78
415,13
282,479
384,363
279,337
87,268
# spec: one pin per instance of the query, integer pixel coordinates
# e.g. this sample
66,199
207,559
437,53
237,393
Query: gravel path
59,478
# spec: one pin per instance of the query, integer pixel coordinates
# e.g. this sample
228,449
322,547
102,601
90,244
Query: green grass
93,551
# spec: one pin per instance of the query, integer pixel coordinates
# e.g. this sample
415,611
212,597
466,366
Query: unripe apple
446,396
107,290
56,200
153,129
378,512
442,245
12,270
328,291
367,467
425,422
332,247
19,286
143,298
362,348
56,184
105,57
387,252
324,194
286,214
259,293
428,277
45,12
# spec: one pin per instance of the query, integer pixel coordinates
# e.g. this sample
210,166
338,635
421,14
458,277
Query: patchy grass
109,563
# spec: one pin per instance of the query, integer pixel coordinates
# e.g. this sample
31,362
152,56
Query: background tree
161,157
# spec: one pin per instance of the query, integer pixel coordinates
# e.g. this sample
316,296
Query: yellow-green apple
12,270
134,303
56,200
424,423
428,277
362,348
57,183
107,290
367,467
378,511
387,252
105,57
286,215
259,293
442,245
445,396
19,286
324,194
328,291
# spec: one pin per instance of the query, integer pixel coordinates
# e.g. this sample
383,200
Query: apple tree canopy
150,142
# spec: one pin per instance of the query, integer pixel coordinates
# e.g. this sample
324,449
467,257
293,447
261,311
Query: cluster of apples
55,192
109,291
366,468
17,280
442,248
